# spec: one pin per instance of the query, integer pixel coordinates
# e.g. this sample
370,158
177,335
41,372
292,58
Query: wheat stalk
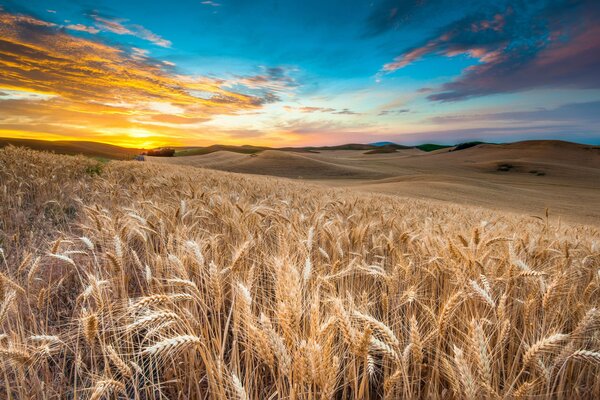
105,387
172,345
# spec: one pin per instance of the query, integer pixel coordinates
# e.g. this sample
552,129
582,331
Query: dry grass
156,282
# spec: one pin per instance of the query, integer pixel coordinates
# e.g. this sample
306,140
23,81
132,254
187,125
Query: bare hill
92,149
277,163
525,176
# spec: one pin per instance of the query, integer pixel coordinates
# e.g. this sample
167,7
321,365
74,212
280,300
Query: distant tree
164,152
467,145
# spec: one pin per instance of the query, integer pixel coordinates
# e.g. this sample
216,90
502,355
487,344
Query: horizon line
297,147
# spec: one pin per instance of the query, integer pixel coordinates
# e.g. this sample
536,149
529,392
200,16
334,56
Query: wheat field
144,281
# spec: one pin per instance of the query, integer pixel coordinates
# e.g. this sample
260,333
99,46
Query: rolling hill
91,149
277,163
94,149
525,176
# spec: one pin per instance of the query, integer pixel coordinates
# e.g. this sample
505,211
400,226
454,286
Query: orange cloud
94,91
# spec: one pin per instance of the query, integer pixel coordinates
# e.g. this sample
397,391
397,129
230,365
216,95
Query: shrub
164,152
467,145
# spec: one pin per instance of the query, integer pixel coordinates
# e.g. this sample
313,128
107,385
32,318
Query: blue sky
141,73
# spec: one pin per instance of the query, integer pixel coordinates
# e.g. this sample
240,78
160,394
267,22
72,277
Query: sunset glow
198,73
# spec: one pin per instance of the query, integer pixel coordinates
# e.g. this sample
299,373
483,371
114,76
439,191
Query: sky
294,73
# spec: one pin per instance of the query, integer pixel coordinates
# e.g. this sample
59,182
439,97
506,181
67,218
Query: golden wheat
155,281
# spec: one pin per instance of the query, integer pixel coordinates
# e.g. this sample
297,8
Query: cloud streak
83,28
585,112
395,14
328,110
394,112
118,27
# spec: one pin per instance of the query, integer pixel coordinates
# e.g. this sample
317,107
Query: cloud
61,86
585,112
118,27
83,28
392,14
112,25
309,109
316,109
323,127
145,34
211,3
273,79
519,46
480,35
140,54
39,57
394,112
328,110
346,111
389,15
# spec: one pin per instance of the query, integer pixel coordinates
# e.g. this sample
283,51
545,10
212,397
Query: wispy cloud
329,110
120,27
310,109
112,25
83,28
272,79
211,3
585,112
346,111
394,112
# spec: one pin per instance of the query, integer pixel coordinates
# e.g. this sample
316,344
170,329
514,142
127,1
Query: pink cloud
411,56
573,63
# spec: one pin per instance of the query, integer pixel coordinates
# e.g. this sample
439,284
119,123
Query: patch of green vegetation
162,152
431,147
349,146
101,160
192,152
211,149
95,169
466,145
381,150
